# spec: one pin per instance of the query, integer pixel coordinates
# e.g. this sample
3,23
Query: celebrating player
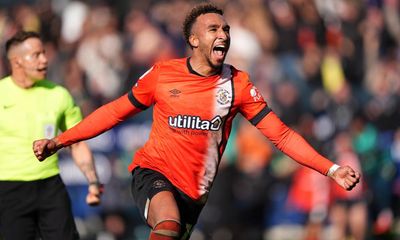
195,100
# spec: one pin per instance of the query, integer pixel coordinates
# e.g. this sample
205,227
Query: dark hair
194,14
20,37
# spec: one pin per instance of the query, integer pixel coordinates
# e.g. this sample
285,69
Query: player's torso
192,120
190,105
191,109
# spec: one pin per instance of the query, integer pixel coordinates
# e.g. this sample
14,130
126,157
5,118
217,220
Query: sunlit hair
19,38
194,14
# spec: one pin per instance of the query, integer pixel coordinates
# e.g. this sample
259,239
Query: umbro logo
175,92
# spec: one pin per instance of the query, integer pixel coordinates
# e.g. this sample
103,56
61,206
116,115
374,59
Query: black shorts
146,183
36,208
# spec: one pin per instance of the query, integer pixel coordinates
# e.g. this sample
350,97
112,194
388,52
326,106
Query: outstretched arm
96,123
84,160
296,147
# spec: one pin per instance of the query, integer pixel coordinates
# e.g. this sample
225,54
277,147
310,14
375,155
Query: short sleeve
72,113
252,106
142,93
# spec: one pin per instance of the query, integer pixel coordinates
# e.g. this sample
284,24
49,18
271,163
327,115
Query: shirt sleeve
292,144
101,120
71,114
252,104
142,93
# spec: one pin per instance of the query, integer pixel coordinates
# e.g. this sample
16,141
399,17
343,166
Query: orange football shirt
192,120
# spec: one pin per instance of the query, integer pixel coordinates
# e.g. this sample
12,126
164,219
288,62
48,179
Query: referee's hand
93,198
44,148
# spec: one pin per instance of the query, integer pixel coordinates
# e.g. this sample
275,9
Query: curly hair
194,14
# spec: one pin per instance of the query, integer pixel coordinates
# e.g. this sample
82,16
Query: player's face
213,39
32,59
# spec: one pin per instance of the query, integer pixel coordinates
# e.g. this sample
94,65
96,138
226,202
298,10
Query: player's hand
95,191
346,177
44,148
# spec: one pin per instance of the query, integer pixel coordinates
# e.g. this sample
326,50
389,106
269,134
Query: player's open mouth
220,50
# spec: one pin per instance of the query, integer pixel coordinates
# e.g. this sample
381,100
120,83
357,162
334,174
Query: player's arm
254,108
140,97
83,158
296,147
93,125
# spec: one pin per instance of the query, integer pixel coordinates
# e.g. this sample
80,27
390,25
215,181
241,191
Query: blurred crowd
329,68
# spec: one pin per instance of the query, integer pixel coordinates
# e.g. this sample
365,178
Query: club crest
223,96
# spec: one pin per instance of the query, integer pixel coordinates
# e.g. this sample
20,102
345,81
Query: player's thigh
55,215
17,210
154,194
162,207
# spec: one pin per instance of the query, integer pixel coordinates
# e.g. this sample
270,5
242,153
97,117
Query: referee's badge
49,131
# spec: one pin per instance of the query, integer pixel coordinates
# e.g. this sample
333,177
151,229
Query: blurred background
329,68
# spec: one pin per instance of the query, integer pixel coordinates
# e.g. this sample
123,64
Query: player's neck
202,68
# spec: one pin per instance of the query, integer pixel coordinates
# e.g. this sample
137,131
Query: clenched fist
44,148
346,177
94,193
